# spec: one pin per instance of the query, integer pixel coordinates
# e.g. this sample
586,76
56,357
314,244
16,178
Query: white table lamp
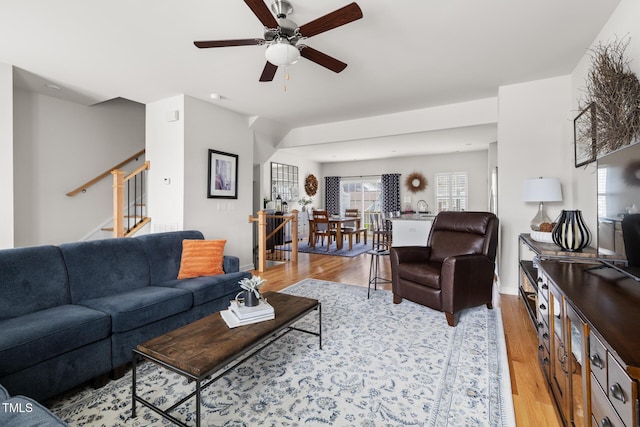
541,190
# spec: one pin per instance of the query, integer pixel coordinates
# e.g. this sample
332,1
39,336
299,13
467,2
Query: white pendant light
281,53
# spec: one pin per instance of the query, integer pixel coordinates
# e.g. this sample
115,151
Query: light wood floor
531,396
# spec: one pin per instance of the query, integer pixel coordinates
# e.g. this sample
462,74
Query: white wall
165,152
178,151
534,139
623,23
6,157
474,162
210,127
58,146
471,113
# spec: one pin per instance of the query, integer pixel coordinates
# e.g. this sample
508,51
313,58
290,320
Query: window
451,191
363,193
602,191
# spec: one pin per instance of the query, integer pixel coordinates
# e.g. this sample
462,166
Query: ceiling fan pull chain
286,77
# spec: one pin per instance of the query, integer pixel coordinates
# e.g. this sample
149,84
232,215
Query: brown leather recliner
455,270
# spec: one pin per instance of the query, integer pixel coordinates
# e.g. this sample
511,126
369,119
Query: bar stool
379,247
374,269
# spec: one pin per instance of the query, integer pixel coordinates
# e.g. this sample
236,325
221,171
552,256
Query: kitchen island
411,229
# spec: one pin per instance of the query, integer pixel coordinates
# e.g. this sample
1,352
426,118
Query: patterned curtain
391,192
332,194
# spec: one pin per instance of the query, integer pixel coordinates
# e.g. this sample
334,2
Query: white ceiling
403,55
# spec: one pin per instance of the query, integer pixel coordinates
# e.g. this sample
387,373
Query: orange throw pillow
201,258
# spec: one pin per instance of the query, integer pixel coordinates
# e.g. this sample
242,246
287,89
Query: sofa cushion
139,307
31,279
164,251
201,258
106,267
21,411
209,288
35,337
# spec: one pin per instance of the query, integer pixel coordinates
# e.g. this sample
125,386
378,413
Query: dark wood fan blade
342,16
269,72
226,43
322,59
260,9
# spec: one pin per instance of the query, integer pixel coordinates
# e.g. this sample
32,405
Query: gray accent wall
58,146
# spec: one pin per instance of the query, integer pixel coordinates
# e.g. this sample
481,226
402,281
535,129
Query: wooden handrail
119,180
105,174
145,166
262,235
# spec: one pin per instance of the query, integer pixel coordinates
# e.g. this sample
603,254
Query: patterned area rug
356,249
381,365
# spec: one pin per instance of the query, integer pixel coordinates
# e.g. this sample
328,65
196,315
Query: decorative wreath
311,185
415,182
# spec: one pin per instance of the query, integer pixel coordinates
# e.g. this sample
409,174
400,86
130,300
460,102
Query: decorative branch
615,91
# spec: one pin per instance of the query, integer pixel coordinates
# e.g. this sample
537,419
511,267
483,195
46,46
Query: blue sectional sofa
22,411
73,312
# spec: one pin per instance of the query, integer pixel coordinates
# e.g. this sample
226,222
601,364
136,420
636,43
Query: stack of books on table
239,315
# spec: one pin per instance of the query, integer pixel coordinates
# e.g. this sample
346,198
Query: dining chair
310,222
322,228
350,229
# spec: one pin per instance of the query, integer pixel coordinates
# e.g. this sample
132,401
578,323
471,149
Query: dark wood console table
588,323
528,277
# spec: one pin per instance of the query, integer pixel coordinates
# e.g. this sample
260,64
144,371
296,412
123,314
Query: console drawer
601,409
543,348
543,286
620,391
598,359
543,311
543,332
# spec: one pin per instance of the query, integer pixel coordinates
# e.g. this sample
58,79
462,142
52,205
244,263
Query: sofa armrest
231,264
20,411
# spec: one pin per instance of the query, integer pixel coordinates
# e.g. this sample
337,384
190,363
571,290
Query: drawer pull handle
545,287
545,336
597,361
540,347
540,325
543,307
605,422
539,279
616,392
545,360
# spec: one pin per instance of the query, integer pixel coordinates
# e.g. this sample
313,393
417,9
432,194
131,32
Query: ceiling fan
282,36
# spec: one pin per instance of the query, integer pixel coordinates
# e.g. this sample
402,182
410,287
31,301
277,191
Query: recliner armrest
404,254
465,278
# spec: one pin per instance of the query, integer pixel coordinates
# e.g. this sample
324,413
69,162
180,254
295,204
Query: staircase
129,191
129,200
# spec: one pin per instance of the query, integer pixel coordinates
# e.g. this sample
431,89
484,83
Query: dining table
336,222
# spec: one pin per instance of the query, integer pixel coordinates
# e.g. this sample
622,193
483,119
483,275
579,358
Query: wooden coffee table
206,346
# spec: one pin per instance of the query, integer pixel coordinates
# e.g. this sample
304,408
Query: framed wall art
585,135
223,175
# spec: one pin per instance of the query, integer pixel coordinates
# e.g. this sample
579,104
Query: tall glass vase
571,232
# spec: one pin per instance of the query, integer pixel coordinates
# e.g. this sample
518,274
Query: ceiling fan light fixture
281,53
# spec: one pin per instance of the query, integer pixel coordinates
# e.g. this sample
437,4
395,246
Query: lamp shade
282,53
542,190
